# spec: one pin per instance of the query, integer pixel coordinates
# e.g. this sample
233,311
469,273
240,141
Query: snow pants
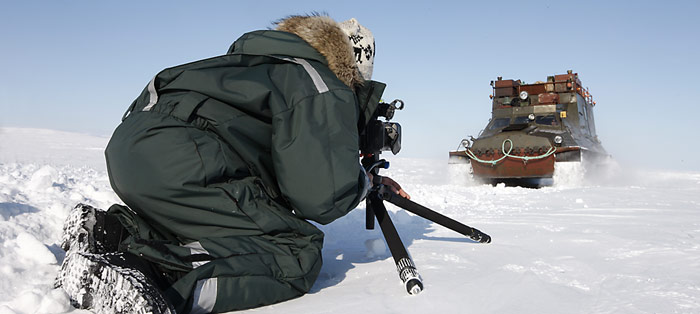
197,212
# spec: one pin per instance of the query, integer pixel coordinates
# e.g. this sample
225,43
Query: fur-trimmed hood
325,35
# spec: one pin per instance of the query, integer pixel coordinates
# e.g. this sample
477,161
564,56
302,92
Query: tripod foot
480,237
414,286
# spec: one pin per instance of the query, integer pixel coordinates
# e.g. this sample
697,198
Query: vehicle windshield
499,123
521,120
541,120
546,120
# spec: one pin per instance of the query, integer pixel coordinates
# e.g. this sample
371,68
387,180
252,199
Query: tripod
375,208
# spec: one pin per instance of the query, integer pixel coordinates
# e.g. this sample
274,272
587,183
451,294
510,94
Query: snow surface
624,242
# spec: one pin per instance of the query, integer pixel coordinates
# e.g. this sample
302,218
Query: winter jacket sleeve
315,156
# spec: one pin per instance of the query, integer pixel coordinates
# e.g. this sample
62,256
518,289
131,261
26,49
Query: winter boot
88,229
110,283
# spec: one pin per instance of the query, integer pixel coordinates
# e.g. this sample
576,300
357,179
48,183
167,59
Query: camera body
381,135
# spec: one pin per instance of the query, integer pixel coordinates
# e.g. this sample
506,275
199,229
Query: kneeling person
221,162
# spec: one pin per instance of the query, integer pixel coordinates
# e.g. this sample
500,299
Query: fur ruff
326,36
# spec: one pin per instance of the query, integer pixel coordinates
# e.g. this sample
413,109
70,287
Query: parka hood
322,39
325,35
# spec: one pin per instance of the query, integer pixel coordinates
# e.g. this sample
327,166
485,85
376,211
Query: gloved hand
395,187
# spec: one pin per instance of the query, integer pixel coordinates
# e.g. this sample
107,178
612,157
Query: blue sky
77,65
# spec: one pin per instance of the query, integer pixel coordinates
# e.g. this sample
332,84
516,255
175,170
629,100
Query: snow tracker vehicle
533,126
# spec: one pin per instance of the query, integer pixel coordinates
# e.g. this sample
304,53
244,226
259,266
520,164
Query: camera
381,135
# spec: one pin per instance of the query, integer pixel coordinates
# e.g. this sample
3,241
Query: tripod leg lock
409,276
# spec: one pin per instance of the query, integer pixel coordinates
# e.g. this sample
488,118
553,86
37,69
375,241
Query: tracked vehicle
532,127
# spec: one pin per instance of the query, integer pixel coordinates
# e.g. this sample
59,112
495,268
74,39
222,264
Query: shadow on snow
8,210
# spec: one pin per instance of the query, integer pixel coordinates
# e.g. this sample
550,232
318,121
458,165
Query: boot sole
77,230
94,283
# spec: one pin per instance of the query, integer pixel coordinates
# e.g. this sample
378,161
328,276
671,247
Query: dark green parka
221,161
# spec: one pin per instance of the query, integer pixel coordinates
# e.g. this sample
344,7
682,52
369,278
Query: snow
613,241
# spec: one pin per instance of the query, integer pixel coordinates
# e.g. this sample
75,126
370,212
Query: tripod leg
404,265
369,217
433,216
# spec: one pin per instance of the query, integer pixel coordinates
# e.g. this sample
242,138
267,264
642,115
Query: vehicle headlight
558,140
523,95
